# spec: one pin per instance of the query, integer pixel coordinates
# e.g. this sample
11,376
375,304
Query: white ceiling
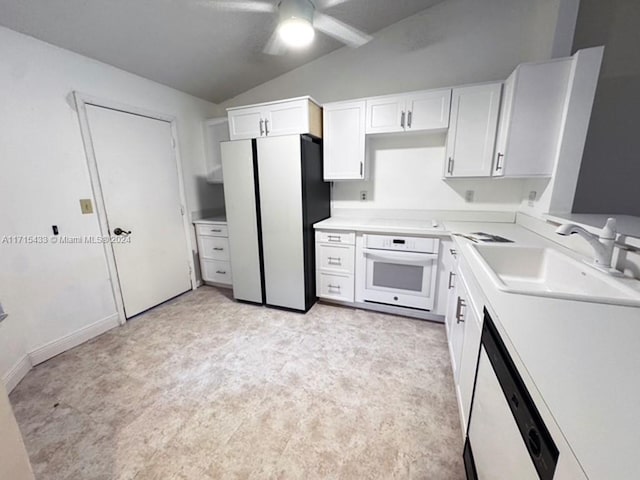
186,44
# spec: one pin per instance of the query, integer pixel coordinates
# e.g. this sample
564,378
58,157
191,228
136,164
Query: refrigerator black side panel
316,206
254,149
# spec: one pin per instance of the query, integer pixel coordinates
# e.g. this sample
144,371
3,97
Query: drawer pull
221,272
459,307
334,238
334,261
335,287
218,248
451,275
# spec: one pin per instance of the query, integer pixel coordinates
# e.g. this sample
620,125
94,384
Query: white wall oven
397,270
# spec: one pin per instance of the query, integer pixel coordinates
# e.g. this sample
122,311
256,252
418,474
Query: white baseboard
74,339
17,373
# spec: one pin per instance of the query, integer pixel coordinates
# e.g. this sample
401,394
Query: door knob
119,231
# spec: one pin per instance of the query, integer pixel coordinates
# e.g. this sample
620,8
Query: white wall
406,173
53,291
452,43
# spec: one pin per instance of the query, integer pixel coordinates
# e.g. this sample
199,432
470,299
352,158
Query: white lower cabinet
335,286
464,328
335,265
213,249
470,316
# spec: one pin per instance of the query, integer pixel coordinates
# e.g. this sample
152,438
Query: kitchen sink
549,273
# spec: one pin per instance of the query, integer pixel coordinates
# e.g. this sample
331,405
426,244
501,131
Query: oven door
403,279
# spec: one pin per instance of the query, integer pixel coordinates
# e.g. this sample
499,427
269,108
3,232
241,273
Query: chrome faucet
602,244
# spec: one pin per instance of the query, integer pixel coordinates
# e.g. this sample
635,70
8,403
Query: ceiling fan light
296,32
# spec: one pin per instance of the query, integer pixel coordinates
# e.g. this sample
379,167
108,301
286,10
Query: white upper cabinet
428,110
246,123
344,140
531,119
286,117
386,115
472,133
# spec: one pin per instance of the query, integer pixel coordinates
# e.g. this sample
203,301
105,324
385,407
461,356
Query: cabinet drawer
346,238
337,258
214,248
216,271
335,286
212,230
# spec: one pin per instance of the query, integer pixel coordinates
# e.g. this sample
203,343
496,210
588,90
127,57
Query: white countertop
212,220
581,357
383,225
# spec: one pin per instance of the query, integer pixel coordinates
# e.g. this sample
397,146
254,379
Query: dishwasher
507,438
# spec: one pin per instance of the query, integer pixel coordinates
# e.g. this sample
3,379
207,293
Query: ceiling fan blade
340,31
228,6
331,3
275,45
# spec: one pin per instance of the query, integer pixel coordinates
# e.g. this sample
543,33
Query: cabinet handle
266,127
361,168
450,166
333,238
451,275
221,272
461,304
409,118
334,261
335,287
261,127
402,119
453,252
219,249
498,162
216,231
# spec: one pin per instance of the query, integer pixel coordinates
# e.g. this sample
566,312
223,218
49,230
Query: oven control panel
400,243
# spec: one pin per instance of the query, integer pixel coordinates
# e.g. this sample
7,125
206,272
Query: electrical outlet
86,206
468,196
363,195
532,197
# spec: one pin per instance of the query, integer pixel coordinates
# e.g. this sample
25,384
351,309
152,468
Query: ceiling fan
298,20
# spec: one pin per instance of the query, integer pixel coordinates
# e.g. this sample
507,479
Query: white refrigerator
274,193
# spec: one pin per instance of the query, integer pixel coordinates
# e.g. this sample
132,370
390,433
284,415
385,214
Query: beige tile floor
206,388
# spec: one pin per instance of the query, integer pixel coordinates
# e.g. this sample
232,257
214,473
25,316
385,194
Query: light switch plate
86,206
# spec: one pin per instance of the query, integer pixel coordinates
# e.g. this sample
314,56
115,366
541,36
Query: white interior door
140,187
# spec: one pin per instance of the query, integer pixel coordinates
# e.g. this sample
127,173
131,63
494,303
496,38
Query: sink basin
549,273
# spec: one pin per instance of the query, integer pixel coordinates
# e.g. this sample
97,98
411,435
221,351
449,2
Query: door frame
81,102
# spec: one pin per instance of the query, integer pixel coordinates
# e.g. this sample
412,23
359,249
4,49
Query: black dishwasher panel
541,447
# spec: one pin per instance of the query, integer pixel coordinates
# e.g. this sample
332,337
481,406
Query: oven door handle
400,257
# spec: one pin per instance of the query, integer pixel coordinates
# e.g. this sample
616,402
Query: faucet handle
609,230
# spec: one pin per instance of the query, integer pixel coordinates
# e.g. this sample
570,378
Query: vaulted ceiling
188,44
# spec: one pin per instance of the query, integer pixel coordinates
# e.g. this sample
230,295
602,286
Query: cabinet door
344,141
503,127
469,352
386,115
472,134
246,123
287,118
532,120
429,110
